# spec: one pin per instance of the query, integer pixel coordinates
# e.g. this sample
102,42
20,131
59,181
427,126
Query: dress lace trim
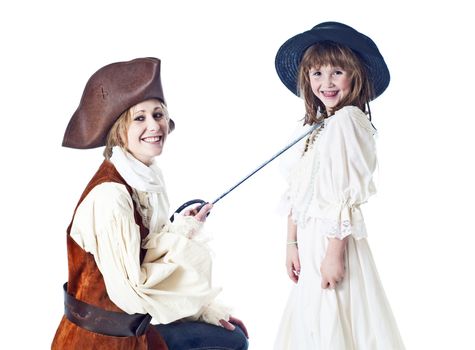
341,229
301,192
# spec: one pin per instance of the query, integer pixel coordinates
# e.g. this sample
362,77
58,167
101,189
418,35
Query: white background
232,113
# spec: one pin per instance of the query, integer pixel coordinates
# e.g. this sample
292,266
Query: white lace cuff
187,226
342,228
339,221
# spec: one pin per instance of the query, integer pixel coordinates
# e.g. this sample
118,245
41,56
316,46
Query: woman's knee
241,342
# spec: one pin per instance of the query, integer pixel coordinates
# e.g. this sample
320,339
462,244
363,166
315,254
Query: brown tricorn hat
108,93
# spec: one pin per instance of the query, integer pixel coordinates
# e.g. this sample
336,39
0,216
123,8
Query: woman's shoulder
351,116
105,208
109,195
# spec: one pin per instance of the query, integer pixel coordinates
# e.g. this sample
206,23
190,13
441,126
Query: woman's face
330,84
147,131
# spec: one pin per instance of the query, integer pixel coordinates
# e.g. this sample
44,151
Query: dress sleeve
173,281
345,181
287,163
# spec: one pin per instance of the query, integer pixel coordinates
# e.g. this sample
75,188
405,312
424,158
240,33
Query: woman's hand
199,215
230,325
293,262
333,265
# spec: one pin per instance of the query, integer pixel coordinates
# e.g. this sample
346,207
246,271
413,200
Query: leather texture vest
86,283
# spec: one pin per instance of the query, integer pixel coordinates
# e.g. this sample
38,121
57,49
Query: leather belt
98,320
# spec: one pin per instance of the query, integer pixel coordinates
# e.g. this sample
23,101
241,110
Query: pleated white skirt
354,316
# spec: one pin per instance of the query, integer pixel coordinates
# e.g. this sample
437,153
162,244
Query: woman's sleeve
345,181
174,280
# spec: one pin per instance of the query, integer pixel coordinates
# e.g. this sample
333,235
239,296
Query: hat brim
290,54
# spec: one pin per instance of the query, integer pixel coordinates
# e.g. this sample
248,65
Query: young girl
338,302
127,261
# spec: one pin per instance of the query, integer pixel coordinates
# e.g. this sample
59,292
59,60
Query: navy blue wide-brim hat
290,54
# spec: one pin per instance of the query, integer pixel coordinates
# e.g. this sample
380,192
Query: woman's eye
158,115
139,118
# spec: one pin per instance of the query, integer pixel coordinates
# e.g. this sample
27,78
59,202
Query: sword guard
187,204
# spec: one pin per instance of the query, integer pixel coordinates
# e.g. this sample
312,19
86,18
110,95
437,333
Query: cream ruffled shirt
174,280
335,176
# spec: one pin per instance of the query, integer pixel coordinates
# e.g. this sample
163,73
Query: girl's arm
345,182
292,260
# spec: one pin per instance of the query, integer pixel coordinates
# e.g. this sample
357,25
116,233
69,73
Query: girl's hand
333,265
293,262
199,215
333,272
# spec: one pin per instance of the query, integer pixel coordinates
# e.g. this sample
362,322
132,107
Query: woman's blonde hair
117,135
336,55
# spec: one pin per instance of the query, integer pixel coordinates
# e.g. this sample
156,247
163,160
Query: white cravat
142,178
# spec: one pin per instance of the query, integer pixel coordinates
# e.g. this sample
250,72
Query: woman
127,262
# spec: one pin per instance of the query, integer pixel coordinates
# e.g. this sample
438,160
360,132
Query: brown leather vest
85,280
86,283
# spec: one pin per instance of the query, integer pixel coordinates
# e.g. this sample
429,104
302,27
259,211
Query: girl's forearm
291,229
336,247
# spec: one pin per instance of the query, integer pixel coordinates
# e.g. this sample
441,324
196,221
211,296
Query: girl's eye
316,73
339,72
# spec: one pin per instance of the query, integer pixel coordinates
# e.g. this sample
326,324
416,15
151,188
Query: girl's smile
330,84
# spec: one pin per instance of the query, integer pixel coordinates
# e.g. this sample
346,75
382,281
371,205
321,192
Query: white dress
327,185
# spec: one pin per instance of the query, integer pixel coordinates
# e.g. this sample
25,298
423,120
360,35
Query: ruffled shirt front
174,279
335,176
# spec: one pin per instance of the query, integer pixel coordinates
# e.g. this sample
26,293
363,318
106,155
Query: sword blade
268,161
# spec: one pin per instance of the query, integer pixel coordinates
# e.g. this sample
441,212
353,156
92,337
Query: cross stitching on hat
104,93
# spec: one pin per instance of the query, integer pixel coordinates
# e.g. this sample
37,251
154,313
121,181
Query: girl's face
330,84
147,131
